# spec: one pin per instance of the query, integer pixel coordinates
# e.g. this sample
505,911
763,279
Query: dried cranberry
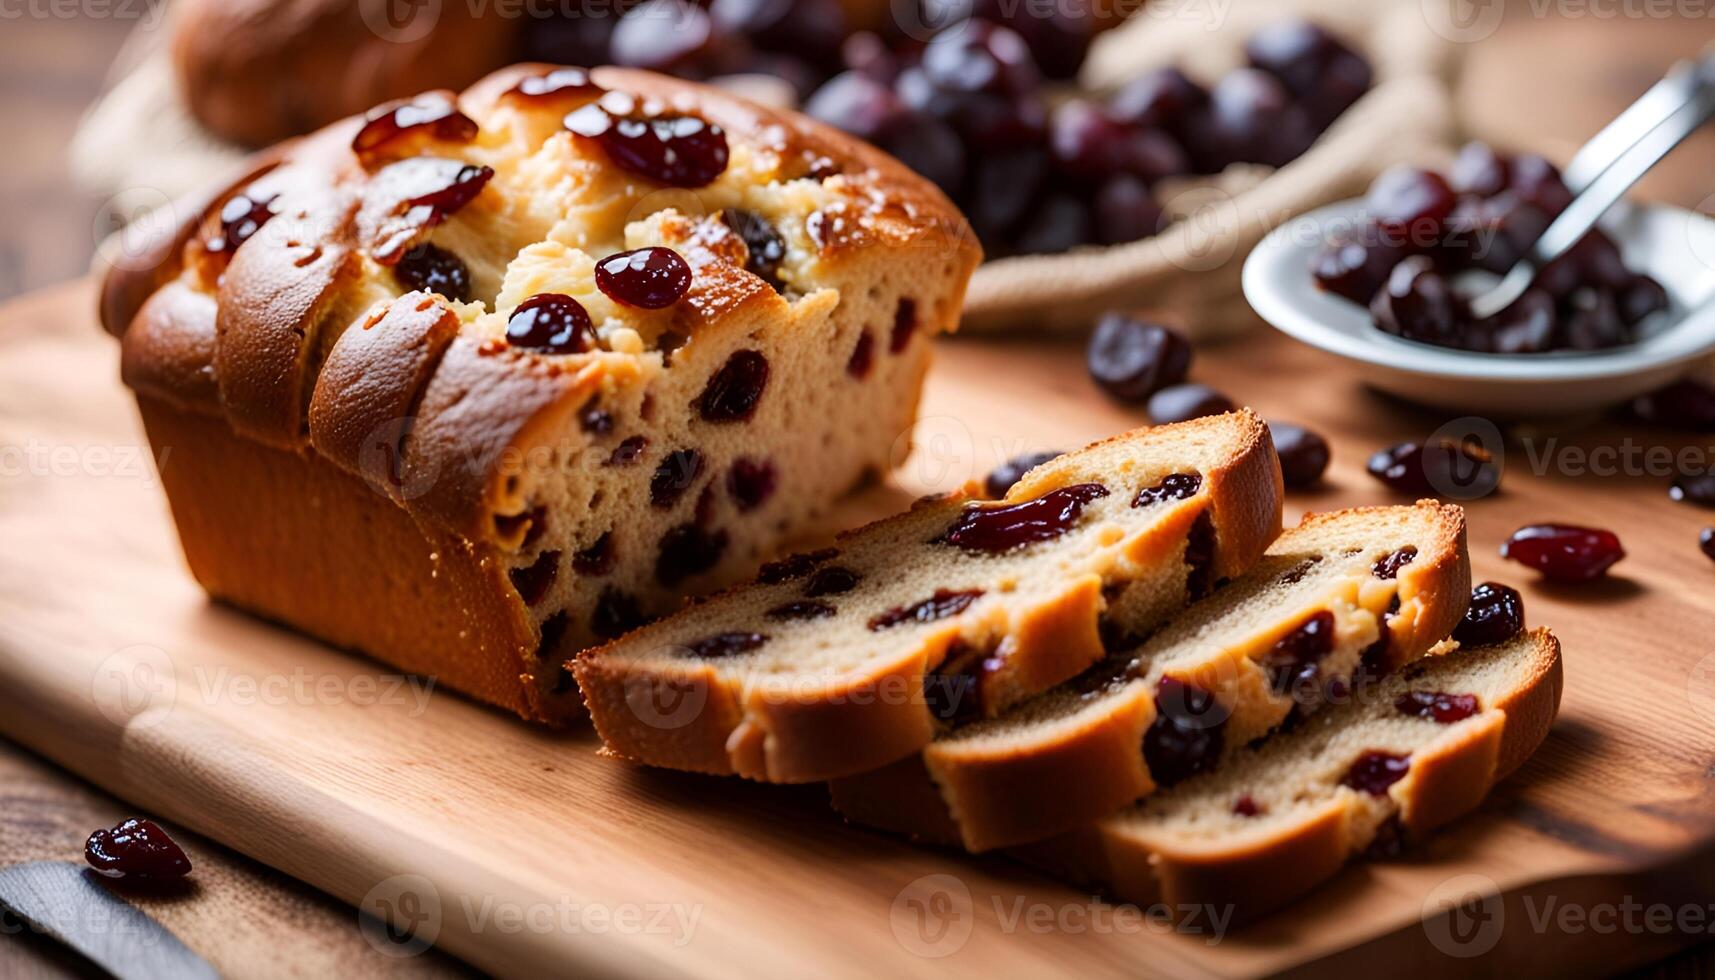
1002,477
1479,170
1419,303
616,614
794,566
595,421
597,559
673,476
1295,51
627,452
751,482
904,325
1409,205
431,114
1294,661
764,248
1132,359
1693,488
560,82
1706,542
679,151
997,529
1681,405
652,278
944,603
980,56
1200,557
1158,99
1174,486
1354,264
1252,119
432,189
1126,211
1444,468
955,697
534,580
242,216
434,269
733,392
1564,552
1642,296
1374,772
832,580
1187,734
1303,454
1443,709
1528,326
1246,806
1184,402
1387,567
1534,179
688,550
1593,321
806,609
553,323
726,644
136,848
863,356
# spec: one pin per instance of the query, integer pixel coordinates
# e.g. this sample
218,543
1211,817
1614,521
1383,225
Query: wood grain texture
311,761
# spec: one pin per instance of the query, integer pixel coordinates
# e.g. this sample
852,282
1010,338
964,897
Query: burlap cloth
140,144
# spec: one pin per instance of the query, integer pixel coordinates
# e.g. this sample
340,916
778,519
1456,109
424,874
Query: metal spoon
1609,164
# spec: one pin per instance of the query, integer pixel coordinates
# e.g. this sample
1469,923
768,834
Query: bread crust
855,724
283,346
1079,774
1260,873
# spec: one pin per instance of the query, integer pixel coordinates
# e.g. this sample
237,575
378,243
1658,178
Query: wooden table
1616,803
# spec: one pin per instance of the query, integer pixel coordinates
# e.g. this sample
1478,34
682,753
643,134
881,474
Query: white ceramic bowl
1675,246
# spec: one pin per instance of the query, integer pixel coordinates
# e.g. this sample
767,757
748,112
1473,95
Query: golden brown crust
371,383
852,724
298,541
1258,874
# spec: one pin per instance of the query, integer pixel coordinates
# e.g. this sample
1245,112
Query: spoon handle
1607,166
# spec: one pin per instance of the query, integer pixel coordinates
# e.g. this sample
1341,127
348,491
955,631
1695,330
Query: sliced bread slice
1414,752
1274,645
847,659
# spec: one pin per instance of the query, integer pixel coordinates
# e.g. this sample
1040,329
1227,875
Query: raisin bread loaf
841,661
1403,758
1341,597
476,381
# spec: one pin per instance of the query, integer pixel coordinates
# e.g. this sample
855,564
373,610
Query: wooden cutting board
523,850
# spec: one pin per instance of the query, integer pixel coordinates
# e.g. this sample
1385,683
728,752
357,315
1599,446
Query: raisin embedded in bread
842,661
476,381
1405,757
1300,629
